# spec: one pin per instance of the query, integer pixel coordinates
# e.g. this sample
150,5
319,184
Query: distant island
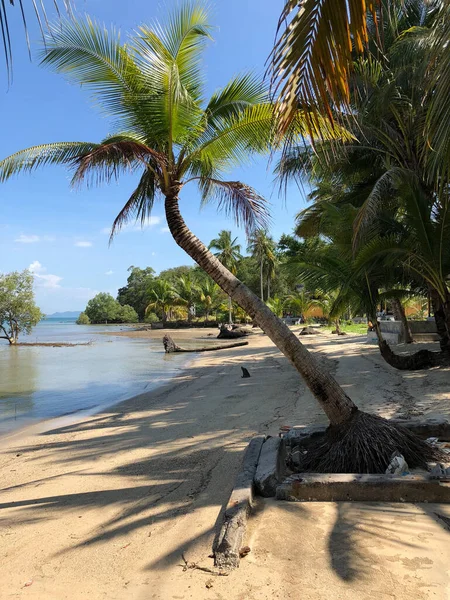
68,314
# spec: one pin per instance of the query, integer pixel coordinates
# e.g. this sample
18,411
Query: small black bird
245,372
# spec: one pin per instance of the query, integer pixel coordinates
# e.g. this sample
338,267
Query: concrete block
271,467
344,487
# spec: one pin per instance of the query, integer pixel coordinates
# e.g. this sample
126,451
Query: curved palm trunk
423,359
400,315
338,407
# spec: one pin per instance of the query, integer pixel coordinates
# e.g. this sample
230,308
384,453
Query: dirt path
104,508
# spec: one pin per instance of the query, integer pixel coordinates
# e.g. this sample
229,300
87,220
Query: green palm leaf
59,153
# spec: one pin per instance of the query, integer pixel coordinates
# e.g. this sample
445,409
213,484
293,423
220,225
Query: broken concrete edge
231,536
424,428
346,487
271,468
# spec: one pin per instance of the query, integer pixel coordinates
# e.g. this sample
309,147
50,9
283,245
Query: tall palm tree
389,171
210,296
162,298
262,247
153,89
228,252
188,292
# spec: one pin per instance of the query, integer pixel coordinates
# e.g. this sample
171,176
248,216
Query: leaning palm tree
153,88
228,252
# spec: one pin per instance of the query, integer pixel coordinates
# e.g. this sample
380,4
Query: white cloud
153,253
83,244
27,239
164,230
42,278
109,272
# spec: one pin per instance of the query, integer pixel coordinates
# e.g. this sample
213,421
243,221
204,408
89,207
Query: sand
103,508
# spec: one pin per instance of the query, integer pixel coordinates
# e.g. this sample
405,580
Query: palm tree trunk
338,407
261,277
442,318
268,288
400,315
423,359
230,317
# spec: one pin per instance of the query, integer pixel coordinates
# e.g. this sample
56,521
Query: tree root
365,445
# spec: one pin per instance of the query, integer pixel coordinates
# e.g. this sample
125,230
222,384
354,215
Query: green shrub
83,319
151,317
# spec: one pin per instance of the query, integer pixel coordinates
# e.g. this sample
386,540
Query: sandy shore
104,508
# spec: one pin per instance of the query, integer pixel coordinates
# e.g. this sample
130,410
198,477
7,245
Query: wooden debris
170,346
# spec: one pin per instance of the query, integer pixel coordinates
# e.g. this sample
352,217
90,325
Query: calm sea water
39,383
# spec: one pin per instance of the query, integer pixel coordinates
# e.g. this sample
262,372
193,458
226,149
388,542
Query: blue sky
61,233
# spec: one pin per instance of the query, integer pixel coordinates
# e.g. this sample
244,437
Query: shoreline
120,495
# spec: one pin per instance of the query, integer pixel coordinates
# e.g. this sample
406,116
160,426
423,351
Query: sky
61,234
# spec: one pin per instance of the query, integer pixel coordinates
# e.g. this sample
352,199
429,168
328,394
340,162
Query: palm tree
276,305
262,247
313,58
389,172
299,302
228,252
152,87
163,297
188,292
210,296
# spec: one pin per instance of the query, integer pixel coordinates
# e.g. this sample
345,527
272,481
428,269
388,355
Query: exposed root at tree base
365,445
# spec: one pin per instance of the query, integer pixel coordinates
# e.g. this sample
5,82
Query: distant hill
69,314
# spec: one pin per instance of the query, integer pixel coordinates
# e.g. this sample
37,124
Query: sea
40,382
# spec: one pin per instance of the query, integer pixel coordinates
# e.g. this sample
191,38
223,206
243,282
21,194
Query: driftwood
170,346
228,547
232,334
309,331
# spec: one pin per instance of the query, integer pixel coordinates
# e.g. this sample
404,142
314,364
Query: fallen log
231,334
170,346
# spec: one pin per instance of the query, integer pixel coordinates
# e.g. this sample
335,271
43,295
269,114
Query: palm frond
114,155
237,200
39,9
312,58
57,153
140,204
88,54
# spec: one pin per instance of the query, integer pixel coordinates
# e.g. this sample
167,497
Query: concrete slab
323,487
271,467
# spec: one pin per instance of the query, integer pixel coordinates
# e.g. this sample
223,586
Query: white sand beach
103,508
